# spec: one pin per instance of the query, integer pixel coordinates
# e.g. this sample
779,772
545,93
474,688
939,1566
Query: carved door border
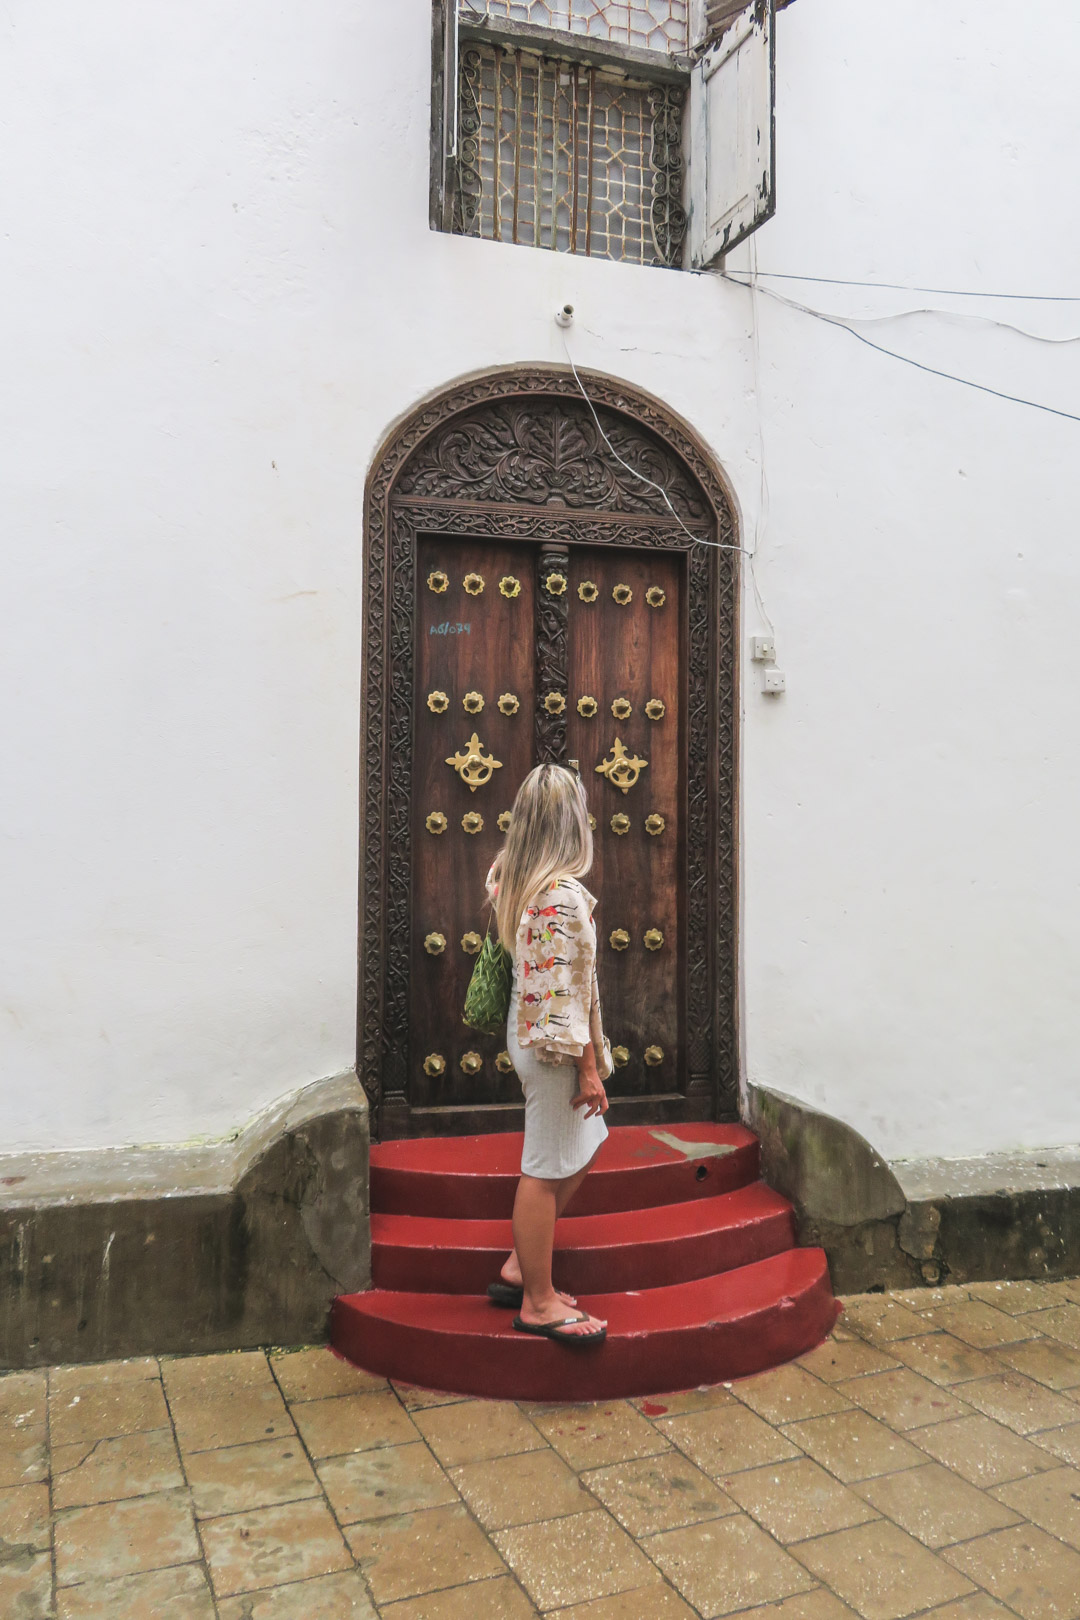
504,481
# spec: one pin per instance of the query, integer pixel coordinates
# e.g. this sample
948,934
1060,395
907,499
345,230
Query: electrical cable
719,545
939,292
934,371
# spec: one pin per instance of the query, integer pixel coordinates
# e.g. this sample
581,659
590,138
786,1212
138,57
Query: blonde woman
554,1035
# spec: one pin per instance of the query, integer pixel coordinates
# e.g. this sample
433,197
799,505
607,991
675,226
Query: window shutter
731,151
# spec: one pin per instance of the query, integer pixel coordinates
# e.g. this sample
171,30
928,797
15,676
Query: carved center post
552,593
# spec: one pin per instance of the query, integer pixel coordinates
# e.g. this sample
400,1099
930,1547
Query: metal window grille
657,25
560,155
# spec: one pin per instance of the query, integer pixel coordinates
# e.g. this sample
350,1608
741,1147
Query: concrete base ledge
122,1252
917,1221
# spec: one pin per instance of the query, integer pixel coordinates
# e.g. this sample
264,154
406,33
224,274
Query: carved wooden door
576,654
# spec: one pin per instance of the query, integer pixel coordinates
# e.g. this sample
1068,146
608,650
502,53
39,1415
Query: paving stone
96,1403
728,1438
727,1564
572,1560
1021,1403
497,1599
922,1300
514,1490
235,1479
1048,1362
687,1400
793,1500
979,1324
314,1374
109,1470
935,1505
180,1593
23,1399
981,1450
978,1606
272,1546
834,1361
903,1399
1063,1323
470,1431
1016,1297
878,1318
944,1359
594,1436
26,1585
651,1602
1063,1443
1035,1575
422,1552
216,1377
785,1394
24,1519
820,1604
853,1445
414,1396
1052,1501
124,1538
327,1597
23,1455
347,1423
883,1573
219,1401
383,1482
649,1494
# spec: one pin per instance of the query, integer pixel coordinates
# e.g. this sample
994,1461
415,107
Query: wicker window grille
654,25
566,155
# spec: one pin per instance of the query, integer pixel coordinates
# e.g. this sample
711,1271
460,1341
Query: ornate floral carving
668,214
551,657
466,501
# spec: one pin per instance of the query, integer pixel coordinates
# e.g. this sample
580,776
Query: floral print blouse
555,1003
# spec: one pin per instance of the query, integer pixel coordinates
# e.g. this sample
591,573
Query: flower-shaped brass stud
620,1056
472,821
588,590
504,1063
434,1064
592,822
438,702
587,707
555,584
471,1062
655,596
473,583
623,595
653,940
504,820
655,709
622,708
618,939
554,703
435,944
654,825
473,702
509,703
654,1056
437,581
436,822
471,943
509,586
620,825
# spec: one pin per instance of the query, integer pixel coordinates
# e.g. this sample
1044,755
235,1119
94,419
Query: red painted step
474,1177
645,1248
701,1332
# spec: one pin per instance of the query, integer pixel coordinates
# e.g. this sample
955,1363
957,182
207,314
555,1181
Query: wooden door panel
631,652
464,643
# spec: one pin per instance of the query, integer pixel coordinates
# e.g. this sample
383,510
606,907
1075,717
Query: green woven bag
487,1000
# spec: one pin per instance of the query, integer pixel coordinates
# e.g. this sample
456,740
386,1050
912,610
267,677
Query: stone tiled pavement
926,1458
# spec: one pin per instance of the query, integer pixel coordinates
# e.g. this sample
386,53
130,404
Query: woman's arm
591,1094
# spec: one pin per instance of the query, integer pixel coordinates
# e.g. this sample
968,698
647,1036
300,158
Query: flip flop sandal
550,1330
504,1293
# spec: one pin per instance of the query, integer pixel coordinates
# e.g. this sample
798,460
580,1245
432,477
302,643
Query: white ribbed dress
554,1013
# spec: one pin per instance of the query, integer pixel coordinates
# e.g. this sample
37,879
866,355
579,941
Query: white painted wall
222,294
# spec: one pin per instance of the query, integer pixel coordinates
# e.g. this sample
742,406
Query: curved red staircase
673,1238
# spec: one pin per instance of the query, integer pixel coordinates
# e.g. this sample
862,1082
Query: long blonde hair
549,838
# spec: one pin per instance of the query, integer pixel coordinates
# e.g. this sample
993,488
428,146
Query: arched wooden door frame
514,454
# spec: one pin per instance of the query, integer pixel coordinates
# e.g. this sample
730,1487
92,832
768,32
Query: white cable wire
719,545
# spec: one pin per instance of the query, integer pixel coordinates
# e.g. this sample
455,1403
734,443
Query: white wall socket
775,681
762,649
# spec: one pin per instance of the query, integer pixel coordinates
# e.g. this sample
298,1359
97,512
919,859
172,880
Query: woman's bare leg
565,1190
535,1209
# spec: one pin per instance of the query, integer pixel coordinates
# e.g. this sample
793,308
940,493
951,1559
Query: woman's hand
591,1094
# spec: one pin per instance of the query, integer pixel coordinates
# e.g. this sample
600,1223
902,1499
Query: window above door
639,130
